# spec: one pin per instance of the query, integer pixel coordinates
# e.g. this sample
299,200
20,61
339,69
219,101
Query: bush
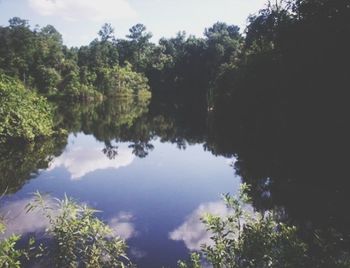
248,239
76,239
79,238
9,255
122,81
23,114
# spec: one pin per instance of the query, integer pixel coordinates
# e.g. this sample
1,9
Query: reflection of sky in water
81,158
154,202
193,232
18,221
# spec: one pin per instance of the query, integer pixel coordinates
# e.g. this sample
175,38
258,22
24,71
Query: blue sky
79,20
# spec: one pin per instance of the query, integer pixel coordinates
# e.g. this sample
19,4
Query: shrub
247,239
9,255
23,114
79,238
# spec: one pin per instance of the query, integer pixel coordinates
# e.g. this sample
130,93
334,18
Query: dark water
154,170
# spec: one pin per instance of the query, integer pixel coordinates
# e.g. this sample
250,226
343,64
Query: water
153,202
154,170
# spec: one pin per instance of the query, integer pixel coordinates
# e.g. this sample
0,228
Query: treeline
285,78
38,58
287,71
290,30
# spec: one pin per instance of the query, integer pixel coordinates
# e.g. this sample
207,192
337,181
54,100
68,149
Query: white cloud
122,226
81,160
74,10
19,222
193,232
137,253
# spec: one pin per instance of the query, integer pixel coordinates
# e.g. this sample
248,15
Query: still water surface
153,202
154,170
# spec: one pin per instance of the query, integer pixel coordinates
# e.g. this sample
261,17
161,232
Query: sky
79,20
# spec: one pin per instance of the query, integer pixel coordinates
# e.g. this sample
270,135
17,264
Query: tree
106,33
139,44
221,29
16,22
138,34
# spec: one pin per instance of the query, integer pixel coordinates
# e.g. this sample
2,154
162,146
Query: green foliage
23,114
80,239
9,255
247,239
194,262
47,79
121,81
71,87
106,33
40,60
139,46
127,82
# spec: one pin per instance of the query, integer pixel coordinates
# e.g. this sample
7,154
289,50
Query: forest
273,95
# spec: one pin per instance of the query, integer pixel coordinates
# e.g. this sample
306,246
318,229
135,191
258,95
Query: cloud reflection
193,232
80,160
19,222
122,226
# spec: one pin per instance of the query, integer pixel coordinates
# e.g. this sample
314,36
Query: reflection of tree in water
111,151
21,161
128,120
141,149
300,173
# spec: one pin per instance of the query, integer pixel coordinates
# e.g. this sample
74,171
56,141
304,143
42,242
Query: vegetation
124,82
77,239
46,67
247,239
281,108
23,114
274,97
241,239
40,60
9,255
250,239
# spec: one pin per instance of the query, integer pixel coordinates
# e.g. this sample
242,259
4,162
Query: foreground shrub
79,239
9,255
74,238
248,239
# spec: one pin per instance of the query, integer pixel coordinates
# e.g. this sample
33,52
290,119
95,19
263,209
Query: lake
153,171
152,194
